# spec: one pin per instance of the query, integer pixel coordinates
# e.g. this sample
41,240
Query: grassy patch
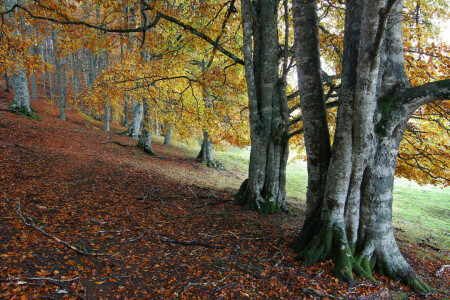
423,212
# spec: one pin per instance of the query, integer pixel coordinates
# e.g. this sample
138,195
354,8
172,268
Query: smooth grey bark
135,126
44,83
75,84
145,140
60,78
157,126
168,134
205,154
106,117
264,190
354,221
20,81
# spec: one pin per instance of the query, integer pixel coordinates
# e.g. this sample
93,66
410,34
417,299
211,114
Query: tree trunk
145,140
21,100
44,84
264,190
74,66
8,83
34,51
135,125
106,117
168,134
205,155
33,87
353,223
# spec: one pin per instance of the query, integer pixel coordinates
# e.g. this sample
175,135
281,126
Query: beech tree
19,77
349,215
264,190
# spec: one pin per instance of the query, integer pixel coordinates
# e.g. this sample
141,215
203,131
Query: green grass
423,212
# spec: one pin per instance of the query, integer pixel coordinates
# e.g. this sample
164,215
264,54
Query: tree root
331,243
400,270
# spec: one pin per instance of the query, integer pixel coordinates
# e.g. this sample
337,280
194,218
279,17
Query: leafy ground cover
86,215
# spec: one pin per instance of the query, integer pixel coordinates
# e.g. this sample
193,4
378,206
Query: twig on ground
204,283
134,238
19,212
97,221
442,269
37,278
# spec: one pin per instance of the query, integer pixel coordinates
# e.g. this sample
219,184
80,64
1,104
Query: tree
20,81
349,215
264,190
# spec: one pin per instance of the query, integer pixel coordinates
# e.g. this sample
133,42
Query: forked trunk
353,222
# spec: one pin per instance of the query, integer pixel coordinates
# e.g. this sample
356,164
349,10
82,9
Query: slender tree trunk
44,84
33,87
135,126
61,79
34,51
145,140
126,121
264,190
106,117
168,134
8,83
157,126
74,66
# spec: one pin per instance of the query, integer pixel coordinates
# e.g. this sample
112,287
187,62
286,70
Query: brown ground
164,238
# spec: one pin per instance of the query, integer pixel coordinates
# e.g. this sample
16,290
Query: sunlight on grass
422,211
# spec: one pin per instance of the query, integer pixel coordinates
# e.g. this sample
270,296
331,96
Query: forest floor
86,215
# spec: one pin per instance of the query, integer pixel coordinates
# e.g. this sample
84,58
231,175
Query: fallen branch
79,251
190,243
38,278
204,283
442,269
10,110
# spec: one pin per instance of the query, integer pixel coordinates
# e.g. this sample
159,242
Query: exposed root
331,243
390,265
253,200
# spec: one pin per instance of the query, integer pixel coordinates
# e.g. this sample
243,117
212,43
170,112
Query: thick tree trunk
205,154
145,140
21,93
135,125
21,100
264,190
355,216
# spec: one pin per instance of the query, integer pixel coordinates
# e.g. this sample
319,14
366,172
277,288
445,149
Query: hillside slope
84,217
